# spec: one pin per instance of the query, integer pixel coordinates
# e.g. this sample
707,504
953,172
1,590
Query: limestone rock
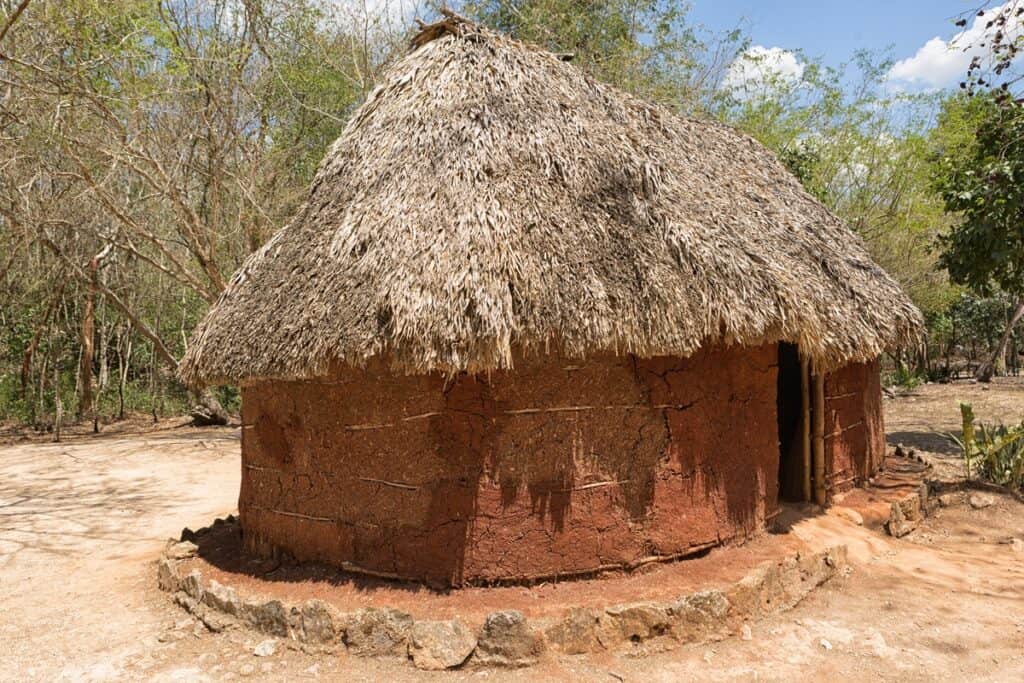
508,640
265,648
700,615
576,633
193,585
182,550
899,525
1017,545
949,499
980,501
635,623
167,575
373,632
317,622
438,645
268,617
222,598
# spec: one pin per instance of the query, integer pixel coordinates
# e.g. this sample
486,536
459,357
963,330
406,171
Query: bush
992,453
903,377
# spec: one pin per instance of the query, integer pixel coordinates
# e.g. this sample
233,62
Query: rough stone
222,598
182,550
167,575
193,585
634,623
212,619
576,633
317,622
980,501
700,615
950,499
268,617
1017,545
374,632
438,645
899,525
911,507
507,640
266,648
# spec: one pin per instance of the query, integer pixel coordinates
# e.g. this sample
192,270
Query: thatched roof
489,196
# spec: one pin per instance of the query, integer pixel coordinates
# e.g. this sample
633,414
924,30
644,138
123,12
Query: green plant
903,377
992,453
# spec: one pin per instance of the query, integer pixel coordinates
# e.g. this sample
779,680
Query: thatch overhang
490,197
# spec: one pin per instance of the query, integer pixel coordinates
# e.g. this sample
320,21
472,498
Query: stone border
507,638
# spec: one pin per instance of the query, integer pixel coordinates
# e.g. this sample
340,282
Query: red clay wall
558,467
854,428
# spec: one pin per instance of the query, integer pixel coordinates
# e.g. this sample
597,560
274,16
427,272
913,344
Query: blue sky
833,30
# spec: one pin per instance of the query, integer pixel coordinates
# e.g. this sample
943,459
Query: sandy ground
81,523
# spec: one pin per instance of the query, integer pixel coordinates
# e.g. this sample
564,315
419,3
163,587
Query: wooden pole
818,420
805,426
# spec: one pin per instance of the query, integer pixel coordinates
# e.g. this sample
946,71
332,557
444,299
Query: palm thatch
490,196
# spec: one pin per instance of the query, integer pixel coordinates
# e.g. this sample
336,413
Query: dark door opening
790,409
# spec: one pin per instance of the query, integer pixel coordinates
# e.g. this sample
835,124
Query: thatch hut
526,325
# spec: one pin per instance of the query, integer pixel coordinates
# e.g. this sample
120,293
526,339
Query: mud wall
854,428
559,467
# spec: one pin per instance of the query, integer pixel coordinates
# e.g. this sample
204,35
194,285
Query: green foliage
979,174
904,378
992,453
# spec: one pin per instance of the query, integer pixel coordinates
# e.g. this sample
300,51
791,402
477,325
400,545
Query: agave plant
992,453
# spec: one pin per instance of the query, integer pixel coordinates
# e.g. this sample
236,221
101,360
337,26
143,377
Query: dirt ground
82,521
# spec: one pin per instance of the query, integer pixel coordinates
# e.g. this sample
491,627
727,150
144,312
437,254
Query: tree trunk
88,333
997,363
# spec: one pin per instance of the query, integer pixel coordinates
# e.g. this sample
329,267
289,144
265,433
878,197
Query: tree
980,178
146,147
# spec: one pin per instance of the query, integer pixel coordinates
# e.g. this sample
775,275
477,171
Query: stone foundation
506,638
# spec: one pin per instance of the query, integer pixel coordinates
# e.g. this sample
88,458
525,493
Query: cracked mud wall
854,425
561,466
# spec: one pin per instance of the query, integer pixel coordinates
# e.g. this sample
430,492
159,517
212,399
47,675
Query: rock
699,615
317,622
1017,545
213,620
576,633
265,648
898,525
373,632
635,623
246,670
182,550
825,644
167,575
947,500
193,585
849,514
222,598
746,633
980,501
439,645
268,617
507,640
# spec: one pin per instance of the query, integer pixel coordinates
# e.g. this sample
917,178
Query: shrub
992,453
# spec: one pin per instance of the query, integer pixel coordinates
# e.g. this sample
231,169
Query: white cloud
939,63
760,69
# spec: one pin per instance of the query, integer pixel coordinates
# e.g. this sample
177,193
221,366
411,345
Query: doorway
790,409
